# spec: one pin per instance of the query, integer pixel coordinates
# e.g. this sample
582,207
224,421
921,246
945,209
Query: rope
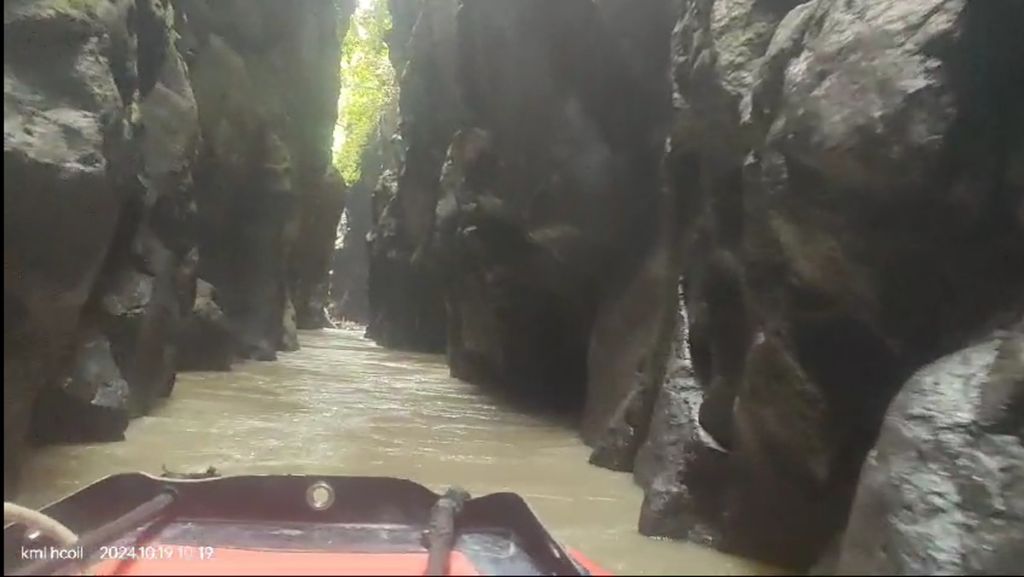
439,539
35,520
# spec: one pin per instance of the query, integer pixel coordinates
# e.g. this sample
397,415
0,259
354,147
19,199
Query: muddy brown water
344,406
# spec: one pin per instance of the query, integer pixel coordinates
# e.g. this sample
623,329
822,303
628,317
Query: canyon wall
350,266
406,309
849,213
840,203
147,144
505,242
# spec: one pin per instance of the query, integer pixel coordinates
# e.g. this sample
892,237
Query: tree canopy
367,84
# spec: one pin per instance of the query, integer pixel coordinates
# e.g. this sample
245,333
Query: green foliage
367,84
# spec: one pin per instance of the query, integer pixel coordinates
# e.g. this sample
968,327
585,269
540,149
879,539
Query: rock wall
147,143
100,132
840,203
406,309
350,267
266,81
942,490
849,214
519,232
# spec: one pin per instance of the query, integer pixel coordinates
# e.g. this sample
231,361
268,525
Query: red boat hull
270,525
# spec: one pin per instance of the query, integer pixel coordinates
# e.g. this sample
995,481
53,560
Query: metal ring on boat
320,496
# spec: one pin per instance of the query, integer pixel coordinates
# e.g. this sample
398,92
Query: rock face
683,468
841,194
942,491
406,308
99,134
53,142
350,267
145,142
91,404
266,194
529,194
847,213
313,251
205,341
817,277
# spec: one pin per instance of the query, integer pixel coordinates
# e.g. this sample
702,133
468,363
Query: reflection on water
344,406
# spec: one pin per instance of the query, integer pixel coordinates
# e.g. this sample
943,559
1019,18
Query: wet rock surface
92,404
311,257
683,470
205,341
839,229
942,490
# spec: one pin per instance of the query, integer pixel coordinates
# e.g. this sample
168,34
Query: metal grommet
320,496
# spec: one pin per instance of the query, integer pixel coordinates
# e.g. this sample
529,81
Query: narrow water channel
343,405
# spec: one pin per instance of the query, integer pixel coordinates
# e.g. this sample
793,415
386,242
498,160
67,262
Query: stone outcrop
406,308
682,467
205,340
942,491
147,142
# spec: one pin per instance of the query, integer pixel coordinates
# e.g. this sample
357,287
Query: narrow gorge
765,256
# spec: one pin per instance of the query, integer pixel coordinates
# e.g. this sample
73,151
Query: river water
344,406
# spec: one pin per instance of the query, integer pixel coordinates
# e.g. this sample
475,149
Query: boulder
942,490
206,341
92,405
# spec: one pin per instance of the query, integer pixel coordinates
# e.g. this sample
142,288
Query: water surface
344,406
